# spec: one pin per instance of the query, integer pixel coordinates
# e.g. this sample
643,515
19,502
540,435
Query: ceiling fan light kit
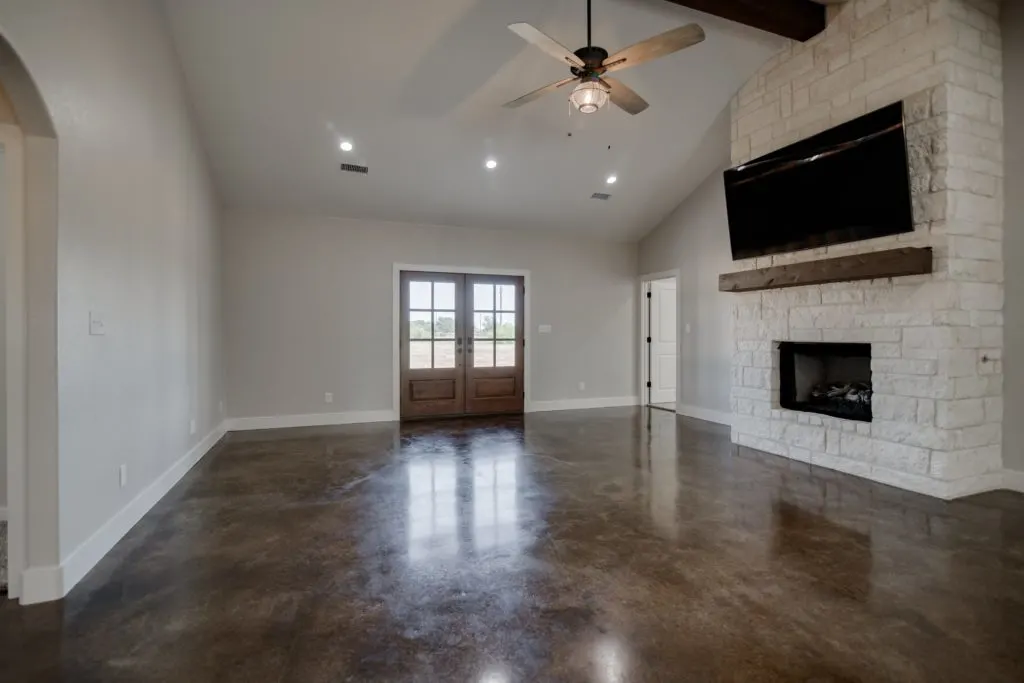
590,95
588,66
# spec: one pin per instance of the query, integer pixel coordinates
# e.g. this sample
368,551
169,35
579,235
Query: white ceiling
417,85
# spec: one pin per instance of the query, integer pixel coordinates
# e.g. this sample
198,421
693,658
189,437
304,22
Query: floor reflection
610,660
433,509
456,505
495,506
834,557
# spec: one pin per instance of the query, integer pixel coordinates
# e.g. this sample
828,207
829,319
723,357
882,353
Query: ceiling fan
589,64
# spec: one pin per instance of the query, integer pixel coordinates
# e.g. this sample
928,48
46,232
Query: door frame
396,305
15,354
642,357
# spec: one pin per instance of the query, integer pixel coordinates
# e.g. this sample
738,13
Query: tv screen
849,183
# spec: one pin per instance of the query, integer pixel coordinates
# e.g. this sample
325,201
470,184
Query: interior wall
695,239
1012,20
308,309
4,227
6,108
136,247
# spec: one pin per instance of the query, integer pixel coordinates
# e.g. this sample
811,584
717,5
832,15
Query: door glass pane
483,354
419,325
444,295
419,355
444,354
506,298
506,328
419,295
483,297
444,325
506,355
483,326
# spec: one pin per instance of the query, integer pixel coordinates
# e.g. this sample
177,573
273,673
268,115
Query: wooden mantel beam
797,19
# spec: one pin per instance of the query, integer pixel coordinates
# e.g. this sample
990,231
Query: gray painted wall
137,243
695,239
1013,236
308,309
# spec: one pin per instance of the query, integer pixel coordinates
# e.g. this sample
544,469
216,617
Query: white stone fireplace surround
936,340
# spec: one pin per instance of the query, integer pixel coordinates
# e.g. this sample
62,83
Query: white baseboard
238,424
708,415
41,584
1013,480
582,404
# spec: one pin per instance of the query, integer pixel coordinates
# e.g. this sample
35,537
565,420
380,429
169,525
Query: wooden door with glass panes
432,344
494,352
461,344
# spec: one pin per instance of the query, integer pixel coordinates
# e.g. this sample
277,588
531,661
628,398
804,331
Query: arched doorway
28,199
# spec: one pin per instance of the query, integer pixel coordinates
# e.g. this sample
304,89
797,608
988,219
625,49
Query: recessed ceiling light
611,179
491,164
346,146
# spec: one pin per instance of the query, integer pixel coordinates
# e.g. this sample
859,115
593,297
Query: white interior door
663,341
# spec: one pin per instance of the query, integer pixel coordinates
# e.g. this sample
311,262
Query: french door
461,341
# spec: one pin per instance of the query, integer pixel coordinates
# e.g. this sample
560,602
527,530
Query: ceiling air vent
355,168
600,195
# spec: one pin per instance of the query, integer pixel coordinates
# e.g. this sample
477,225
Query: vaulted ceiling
417,87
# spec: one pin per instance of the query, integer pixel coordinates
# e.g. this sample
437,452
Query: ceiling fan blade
531,96
624,97
654,47
546,43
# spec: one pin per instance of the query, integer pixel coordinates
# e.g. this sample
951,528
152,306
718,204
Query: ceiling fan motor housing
593,57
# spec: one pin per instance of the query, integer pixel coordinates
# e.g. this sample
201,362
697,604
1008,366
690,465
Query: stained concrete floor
602,546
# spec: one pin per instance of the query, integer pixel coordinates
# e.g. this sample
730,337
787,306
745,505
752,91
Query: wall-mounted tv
849,183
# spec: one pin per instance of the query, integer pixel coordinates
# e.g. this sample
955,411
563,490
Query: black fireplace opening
829,379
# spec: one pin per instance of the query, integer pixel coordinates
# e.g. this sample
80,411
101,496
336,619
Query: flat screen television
849,183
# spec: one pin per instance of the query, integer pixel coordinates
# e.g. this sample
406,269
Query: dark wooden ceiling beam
796,19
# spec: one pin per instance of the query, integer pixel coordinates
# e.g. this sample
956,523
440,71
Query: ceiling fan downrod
589,43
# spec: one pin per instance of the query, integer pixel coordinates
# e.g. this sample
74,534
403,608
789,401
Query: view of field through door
461,339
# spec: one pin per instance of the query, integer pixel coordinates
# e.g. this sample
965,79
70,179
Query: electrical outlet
328,397
122,475
192,427
220,406
582,386
687,328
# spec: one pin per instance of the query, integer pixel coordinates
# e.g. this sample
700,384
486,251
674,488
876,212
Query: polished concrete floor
601,546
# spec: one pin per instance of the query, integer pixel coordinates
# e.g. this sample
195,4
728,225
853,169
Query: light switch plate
687,328
96,326
544,329
122,475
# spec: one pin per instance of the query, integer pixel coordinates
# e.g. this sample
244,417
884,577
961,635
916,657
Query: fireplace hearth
828,379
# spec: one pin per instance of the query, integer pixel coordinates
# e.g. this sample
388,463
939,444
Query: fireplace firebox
829,379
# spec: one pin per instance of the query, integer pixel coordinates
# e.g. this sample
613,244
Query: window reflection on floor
495,510
486,518
433,509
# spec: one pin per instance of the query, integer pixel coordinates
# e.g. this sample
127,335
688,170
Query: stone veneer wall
936,340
